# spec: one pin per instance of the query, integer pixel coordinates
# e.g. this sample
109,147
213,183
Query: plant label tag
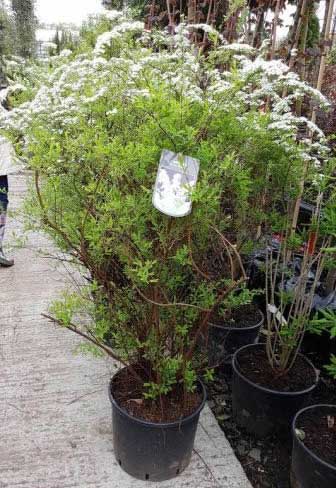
176,178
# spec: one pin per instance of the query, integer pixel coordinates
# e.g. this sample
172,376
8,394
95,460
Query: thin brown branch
91,338
169,305
49,222
234,250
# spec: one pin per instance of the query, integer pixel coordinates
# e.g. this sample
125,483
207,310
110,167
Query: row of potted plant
272,380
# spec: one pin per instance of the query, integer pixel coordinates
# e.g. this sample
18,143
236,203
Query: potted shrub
148,299
148,315
314,428
314,447
235,323
150,321
272,381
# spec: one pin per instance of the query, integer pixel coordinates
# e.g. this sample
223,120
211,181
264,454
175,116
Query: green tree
313,34
64,38
25,27
6,31
6,39
57,41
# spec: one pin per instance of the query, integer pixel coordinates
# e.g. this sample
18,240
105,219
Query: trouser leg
3,206
4,262
2,227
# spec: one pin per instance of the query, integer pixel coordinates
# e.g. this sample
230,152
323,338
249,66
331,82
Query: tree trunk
330,281
313,117
258,28
325,18
293,29
302,49
297,32
333,32
325,50
274,28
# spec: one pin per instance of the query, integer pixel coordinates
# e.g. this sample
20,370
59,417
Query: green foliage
332,56
7,32
290,290
331,368
313,34
324,321
90,30
25,27
238,298
64,309
209,375
168,372
96,183
64,39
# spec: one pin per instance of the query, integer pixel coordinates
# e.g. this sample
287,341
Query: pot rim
269,390
302,444
234,329
163,425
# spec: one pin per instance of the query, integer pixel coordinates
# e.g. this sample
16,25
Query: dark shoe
6,263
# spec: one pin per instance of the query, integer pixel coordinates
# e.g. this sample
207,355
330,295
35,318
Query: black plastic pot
308,470
225,341
152,451
262,411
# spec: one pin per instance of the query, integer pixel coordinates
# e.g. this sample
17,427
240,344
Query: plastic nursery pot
309,470
262,411
153,451
225,341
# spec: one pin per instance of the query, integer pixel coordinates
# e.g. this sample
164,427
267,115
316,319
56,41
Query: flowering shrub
95,129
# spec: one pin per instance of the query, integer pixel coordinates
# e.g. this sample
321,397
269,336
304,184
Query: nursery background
167,243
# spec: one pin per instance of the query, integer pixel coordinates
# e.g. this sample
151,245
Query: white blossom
50,45
238,48
64,94
65,53
113,14
208,29
104,40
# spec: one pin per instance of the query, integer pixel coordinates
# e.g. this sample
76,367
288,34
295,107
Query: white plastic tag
176,177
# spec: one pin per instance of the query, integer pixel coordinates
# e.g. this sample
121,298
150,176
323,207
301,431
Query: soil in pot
265,403
254,365
318,437
240,318
227,334
271,469
314,448
153,440
129,395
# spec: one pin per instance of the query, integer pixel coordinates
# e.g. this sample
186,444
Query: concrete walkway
55,429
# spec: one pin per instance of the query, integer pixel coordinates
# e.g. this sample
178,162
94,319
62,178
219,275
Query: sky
66,11
75,11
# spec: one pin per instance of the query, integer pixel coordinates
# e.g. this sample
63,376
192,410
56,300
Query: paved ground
55,429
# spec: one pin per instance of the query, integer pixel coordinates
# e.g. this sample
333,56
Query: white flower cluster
208,29
65,53
50,45
105,39
271,82
66,93
113,14
236,47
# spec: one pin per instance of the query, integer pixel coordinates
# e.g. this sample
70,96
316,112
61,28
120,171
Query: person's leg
3,210
3,205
